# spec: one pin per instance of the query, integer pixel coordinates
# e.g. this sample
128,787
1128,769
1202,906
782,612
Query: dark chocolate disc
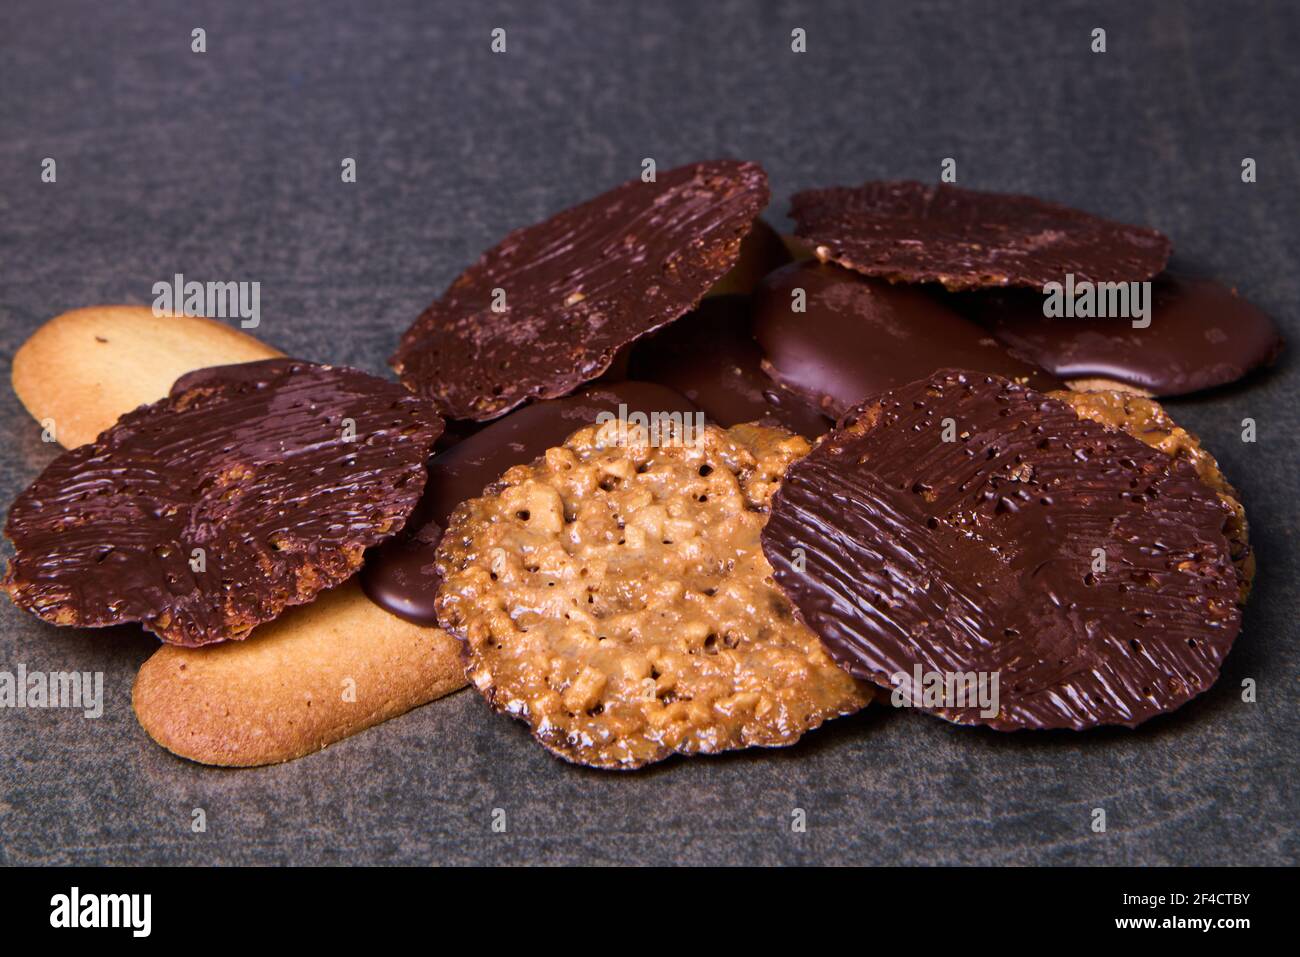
857,336
1088,572
963,238
1202,334
399,575
710,356
549,307
248,489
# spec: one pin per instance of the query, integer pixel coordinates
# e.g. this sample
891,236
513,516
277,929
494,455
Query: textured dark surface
250,464
968,238
975,554
226,166
578,287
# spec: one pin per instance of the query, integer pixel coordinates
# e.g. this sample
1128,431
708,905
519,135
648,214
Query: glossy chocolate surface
400,576
710,357
859,336
1089,572
1202,334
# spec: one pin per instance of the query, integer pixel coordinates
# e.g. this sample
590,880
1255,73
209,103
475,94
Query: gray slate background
226,166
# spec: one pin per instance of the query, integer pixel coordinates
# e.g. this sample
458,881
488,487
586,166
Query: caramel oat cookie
249,489
614,596
1147,421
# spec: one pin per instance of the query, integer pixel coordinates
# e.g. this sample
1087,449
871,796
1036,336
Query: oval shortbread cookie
85,368
320,673
613,595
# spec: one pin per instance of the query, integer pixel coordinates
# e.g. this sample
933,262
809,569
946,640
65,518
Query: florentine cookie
550,306
966,239
249,489
400,575
84,368
836,337
963,525
1148,422
613,595
317,674
1202,334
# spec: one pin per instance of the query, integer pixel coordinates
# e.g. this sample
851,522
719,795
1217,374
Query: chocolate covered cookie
1149,423
711,357
835,337
966,239
613,596
248,489
1201,334
550,306
761,251
963,525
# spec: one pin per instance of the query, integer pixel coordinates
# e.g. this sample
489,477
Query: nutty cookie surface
1148,422
613,595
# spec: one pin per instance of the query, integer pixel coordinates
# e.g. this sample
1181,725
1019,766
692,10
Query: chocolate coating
977,555
400,576
1202,334
761,251
281,471
578,287
965,239
860,336
710,356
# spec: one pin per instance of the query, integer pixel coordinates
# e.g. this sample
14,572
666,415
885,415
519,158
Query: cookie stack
661,482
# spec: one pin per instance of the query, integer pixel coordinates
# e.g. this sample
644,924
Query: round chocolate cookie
858,336
974,531
248,489
400,575
1201,334
710,356
966,239
613,595
1148,422
549,307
